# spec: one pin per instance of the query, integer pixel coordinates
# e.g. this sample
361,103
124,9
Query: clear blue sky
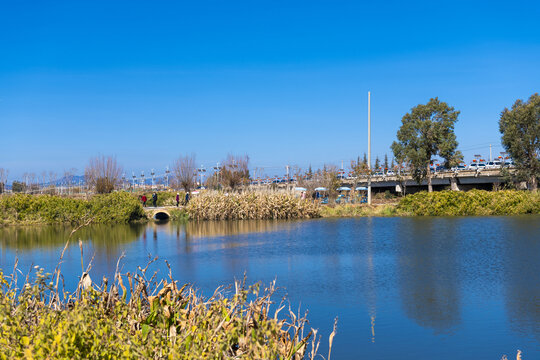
283,81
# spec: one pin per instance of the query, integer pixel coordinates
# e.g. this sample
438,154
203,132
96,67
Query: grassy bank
348,210
447,203
24,209
250,206
134,318
472,203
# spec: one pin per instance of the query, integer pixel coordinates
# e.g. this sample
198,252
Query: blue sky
284,81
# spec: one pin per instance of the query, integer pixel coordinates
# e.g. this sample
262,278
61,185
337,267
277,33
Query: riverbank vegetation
351,210
122,207
250,206
25,209
135,318
470,203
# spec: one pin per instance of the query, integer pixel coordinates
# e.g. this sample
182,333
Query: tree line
426,131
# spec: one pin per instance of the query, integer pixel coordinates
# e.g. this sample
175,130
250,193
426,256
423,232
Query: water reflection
401,281
523,278
35,237
428,269
224,228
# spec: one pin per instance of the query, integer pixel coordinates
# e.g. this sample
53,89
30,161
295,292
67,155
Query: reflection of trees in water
36,237
428,270
523,277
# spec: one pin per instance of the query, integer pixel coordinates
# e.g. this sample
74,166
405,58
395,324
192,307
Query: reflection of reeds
250,206
222,228
135,316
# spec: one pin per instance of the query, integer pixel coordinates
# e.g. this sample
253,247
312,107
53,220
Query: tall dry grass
250,206
135,316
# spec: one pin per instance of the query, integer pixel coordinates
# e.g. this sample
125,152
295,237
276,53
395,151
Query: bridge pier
454,184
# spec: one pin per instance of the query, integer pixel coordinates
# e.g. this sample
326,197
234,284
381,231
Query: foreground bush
250,206
139,319
474,202
46,209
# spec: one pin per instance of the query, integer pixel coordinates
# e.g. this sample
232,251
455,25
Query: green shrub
117,207
474,202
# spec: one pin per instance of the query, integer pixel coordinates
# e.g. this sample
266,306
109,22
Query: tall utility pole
369,147
490,156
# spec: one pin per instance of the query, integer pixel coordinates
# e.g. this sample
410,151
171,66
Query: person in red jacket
143,198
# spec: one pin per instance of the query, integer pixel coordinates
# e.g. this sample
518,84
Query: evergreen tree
520,129
427,131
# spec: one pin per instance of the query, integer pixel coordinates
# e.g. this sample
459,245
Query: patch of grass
179,214
358,210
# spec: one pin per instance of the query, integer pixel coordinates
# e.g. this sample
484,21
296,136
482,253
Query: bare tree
235,171
3,179
52,181
329,180
69,175
103,173
184,172
43,176
33,182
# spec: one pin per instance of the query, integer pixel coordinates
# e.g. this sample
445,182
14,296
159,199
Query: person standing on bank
143,198
177,199
187,198
154,199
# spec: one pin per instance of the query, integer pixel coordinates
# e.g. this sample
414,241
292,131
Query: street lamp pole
369,148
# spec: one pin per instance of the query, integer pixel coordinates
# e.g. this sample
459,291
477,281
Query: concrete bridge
159,213
455,180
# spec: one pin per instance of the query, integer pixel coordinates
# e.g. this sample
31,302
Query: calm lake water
403,288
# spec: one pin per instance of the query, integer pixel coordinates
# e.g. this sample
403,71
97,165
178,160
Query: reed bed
250,206
137,317
470,203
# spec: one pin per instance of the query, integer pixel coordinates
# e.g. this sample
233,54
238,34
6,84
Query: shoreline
124,208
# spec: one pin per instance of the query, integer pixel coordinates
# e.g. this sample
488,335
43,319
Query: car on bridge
459,167
477,166
496,164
